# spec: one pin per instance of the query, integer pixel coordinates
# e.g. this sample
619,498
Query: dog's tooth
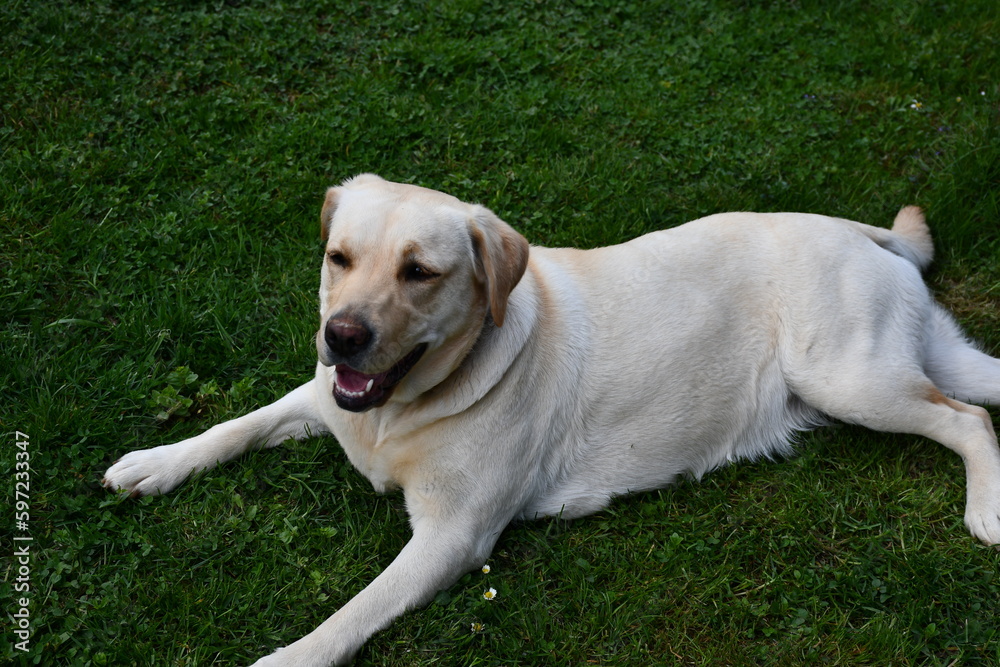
371,383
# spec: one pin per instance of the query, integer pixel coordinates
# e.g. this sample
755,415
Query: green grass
161,170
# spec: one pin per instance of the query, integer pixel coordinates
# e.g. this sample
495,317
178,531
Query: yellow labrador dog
491,381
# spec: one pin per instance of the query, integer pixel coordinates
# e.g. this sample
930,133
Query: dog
492,381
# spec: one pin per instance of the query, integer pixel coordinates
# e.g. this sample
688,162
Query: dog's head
408,278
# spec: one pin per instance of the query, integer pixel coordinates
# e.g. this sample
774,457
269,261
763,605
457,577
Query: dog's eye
338,259
416,273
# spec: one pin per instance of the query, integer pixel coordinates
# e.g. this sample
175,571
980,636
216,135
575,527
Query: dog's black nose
346,336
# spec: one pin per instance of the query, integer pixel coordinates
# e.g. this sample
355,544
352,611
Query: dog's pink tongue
353,381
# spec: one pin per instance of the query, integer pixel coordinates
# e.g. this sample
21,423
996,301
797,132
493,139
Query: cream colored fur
615,370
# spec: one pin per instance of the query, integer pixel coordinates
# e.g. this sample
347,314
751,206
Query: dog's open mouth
356,391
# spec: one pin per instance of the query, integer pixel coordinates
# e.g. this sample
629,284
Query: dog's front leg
160,469
437,555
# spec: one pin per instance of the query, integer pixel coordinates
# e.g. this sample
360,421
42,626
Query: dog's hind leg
890,399
968,431
954,364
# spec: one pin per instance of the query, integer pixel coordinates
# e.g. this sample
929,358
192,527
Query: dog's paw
148,472
273,660
984,522
290,657
313,650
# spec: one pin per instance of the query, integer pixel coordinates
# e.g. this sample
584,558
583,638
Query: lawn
162,165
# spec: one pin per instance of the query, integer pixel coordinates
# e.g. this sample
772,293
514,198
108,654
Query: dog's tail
909,237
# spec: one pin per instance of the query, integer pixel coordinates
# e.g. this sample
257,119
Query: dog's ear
326,214
500,255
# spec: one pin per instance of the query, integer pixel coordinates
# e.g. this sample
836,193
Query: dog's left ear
501,256
326,214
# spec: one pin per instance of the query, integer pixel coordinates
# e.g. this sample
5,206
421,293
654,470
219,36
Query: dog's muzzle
349,342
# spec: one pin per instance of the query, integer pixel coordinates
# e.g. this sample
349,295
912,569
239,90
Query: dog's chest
387,462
